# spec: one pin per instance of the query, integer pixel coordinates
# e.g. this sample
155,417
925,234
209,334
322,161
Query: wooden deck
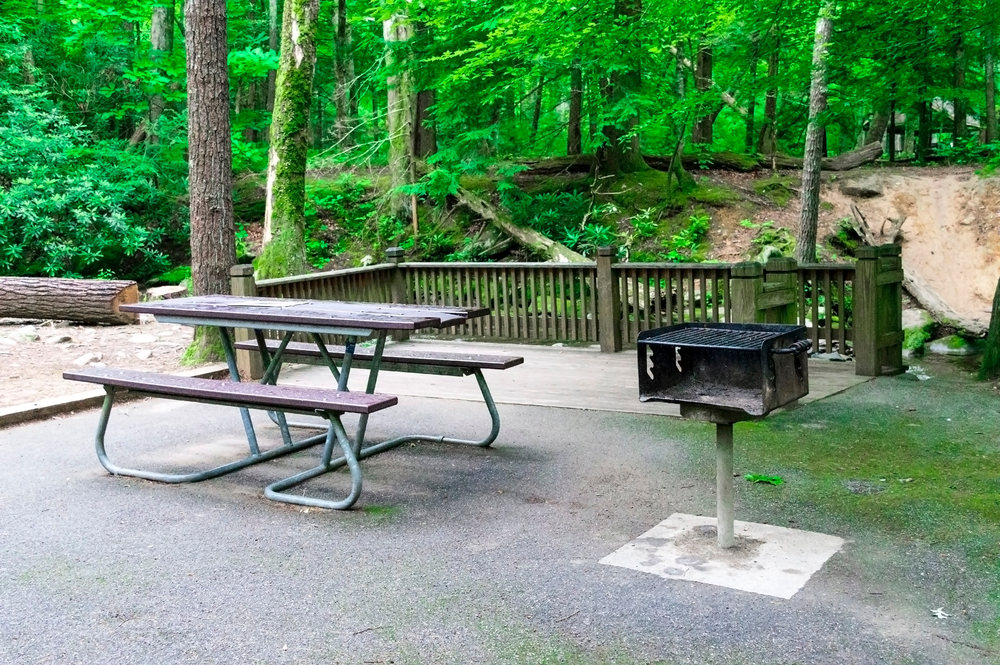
572,378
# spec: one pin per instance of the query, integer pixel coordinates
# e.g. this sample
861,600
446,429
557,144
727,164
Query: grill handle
796,348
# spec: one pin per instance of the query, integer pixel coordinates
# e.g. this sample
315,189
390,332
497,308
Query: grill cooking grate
715,338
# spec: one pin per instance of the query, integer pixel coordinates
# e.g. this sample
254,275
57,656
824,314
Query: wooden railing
611,303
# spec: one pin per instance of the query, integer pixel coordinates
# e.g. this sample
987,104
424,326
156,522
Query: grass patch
383,512
912,464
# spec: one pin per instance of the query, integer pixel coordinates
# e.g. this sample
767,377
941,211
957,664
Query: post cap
866,253
241,270
782,264
747,269
606,251
395,252
890,250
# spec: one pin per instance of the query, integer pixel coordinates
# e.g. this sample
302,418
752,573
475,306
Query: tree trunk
574,131
161,37
960,130
536,115
991,84
273,38
701,133
284,250
83,300
210,161
620,154
400,112
343,70
751,134
923,148
526,237
805,242
876,129
768,143
424,134
989,367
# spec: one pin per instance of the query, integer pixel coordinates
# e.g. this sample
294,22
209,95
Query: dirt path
32,360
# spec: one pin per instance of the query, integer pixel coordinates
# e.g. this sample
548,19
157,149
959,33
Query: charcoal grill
724,373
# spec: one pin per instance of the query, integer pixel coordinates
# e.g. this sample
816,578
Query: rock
142,339
166,292
58,339
916,318
952,345
88,358
834,357
25,334
868,188
143,354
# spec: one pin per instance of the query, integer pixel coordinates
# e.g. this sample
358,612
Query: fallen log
724,161
83,300
527,238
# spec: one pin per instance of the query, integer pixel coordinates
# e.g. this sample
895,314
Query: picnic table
315,318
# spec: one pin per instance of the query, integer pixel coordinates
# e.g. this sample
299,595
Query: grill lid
733,336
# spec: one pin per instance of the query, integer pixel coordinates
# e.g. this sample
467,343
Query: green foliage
71,206
683,247
764,480
770,241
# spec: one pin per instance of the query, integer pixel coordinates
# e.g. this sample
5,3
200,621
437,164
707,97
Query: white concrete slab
769,560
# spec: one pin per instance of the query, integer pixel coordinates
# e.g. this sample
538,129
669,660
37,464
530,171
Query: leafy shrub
770,241
683,246
71,207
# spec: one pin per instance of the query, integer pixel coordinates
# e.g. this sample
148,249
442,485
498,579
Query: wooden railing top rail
672,266
539,264
316,276
827,266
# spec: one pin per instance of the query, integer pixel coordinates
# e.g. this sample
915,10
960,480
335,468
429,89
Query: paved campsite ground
461,555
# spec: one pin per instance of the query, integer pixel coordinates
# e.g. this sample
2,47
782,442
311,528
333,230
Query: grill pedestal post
724,484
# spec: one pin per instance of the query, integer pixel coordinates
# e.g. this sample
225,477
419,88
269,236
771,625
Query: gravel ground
453,554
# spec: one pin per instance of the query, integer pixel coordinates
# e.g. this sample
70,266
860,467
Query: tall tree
284,251
574,134
805,241
621,152
210,160
701,132
989,58
768,143
273,43
397,31
161,37
343,70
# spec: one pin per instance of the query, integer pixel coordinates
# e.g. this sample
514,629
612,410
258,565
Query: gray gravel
453,554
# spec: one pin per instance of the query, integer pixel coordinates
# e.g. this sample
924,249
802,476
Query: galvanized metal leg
724,483
335,436
359,436
234,374
253,458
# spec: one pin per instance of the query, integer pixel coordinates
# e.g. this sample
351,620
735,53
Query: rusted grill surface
743,370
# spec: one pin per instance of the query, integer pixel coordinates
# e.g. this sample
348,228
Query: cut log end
81,300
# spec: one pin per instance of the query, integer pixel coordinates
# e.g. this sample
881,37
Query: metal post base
724,484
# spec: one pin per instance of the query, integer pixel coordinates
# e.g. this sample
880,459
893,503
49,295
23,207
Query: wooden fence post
878,322
609,302
780,295
744,292
242,283
398,291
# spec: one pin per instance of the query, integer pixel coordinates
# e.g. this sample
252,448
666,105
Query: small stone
834,357
26,334
88,358
142,339
862,189
98,365
143,354
952,345
58,339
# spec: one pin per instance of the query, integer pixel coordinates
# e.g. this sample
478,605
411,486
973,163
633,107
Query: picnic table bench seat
401,360
329,404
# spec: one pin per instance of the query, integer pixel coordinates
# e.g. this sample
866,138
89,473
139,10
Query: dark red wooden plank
470,360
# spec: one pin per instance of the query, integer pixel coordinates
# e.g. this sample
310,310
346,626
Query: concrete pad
769,560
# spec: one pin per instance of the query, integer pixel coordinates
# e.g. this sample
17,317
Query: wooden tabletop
300,312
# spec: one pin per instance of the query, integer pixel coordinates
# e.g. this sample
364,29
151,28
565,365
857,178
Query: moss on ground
911,463
780,189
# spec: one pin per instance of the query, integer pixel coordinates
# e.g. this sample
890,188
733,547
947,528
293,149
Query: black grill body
745,369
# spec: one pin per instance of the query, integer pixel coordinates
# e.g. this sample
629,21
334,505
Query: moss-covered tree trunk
284,251
990,364
574,133
397,32
210,162
805,245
